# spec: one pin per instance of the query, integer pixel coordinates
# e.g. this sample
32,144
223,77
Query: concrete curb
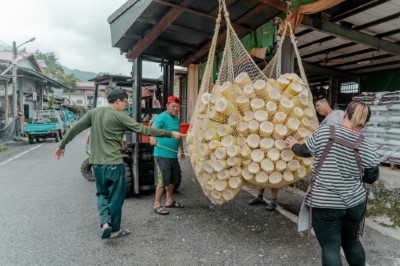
386,231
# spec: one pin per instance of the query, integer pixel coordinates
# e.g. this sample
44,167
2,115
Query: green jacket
108,129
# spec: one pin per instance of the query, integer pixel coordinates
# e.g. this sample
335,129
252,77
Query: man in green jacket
108,128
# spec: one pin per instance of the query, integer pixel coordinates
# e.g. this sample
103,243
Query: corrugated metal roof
6,55
186,27
379,21
328,41
81,85
29,67
27,60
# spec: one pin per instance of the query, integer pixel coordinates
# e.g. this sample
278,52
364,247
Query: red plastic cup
184,128
145,139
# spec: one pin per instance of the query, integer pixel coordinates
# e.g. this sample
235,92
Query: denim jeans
335,228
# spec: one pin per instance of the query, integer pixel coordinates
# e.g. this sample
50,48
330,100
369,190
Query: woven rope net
239,123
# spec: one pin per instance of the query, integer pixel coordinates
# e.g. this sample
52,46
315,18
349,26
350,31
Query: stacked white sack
384,126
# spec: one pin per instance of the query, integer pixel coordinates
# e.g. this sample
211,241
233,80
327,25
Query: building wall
9,92
78,99
176,86
101,101
192,89
30,99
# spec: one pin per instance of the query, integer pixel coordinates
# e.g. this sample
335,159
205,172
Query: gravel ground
50,218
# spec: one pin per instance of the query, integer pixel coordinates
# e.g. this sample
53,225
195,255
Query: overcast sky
76,31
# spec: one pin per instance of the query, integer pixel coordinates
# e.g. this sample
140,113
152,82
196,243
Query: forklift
138,155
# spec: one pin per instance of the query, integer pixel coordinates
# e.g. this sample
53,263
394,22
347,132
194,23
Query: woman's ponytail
359,114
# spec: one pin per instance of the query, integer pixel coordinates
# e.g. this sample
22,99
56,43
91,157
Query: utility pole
15,83
6,102
14,74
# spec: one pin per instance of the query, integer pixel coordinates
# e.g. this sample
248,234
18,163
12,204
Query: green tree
52,101
55,71
69,80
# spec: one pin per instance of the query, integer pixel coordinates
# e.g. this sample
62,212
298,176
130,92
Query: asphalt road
49,217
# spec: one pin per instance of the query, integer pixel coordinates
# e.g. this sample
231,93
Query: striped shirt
338,184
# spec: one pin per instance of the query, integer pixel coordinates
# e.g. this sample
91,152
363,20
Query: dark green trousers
110,184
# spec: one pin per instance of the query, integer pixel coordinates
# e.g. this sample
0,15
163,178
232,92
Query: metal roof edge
40,75
121,10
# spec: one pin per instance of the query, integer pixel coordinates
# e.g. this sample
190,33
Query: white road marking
280,209
21,154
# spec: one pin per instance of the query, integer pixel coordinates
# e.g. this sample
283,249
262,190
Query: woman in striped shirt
343,159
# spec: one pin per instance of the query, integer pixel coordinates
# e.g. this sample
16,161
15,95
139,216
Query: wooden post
334,87
21,106
287,61
192,89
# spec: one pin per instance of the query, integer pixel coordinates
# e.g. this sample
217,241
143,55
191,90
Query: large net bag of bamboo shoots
295,116
239,123
215,146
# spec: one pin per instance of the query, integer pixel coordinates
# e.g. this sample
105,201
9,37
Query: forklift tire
30,139
178,184
57,137
86,170
128,181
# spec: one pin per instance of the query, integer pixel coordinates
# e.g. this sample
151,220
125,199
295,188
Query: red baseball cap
174,99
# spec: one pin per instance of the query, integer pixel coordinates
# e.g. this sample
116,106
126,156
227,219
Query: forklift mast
142,153
138,159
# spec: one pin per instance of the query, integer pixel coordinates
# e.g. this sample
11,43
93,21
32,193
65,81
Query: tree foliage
55,71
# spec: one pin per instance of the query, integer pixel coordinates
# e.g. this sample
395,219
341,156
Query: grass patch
21,139
302,184
3,148
382,202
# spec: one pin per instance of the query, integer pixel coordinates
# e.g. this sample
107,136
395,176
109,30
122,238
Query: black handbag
371,175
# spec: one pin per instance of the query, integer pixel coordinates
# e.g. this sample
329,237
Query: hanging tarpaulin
263,38
9,132
297,16
265,35
388,80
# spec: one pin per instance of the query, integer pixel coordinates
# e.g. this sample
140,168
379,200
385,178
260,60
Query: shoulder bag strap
326,151
355,146
317,169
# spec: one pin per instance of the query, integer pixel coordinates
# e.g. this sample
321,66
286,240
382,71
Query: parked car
67,118
44,124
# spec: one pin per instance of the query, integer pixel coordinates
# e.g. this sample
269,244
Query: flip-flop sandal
174,204
161,211
123,232
106,233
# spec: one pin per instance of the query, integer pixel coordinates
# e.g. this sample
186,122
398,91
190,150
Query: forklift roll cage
139,155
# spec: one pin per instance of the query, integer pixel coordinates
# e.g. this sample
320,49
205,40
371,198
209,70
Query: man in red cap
167,168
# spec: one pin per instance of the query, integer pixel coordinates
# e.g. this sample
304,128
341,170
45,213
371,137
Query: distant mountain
79,74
